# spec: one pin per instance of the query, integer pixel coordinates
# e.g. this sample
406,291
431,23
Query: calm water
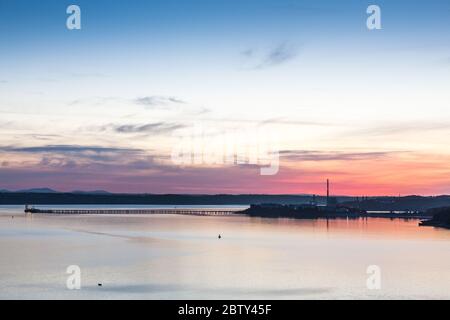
180,257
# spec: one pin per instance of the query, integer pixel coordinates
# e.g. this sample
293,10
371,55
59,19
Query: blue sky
196,36
314,64
199,24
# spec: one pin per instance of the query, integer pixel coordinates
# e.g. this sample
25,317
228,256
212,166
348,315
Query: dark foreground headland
313,211
440,218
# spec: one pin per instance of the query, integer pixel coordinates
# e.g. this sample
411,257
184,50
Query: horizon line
105,192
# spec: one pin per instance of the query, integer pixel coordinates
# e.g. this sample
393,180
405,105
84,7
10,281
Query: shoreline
327,212
434,224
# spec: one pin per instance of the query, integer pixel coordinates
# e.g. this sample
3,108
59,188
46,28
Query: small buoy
99,284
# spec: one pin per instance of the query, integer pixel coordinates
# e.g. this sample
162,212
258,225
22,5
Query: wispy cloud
7,124
277,55
402,128
65,149
313,155
148,101
76,156
97,101
154,128
158,101
293,122
248,53
76,152
170,103
45,137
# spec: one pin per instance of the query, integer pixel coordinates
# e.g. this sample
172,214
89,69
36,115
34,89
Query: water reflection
180,257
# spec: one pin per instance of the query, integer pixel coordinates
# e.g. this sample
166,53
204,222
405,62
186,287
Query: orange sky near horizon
353,175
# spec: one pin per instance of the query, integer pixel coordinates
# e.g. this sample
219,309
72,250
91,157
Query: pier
191,212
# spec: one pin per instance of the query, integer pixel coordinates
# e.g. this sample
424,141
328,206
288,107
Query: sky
104,107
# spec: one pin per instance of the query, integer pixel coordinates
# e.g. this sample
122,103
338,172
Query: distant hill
48,190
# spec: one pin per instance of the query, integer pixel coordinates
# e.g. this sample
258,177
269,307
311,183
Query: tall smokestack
328,191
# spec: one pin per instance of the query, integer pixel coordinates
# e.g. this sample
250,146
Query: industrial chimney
328,192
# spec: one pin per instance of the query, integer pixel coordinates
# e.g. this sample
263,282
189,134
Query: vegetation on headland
334,211
441,218
300,211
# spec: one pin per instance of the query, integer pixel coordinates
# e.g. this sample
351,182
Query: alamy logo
374,280
198,146
374,20
74,280
74,20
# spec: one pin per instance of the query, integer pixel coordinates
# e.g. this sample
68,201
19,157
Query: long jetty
192,212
